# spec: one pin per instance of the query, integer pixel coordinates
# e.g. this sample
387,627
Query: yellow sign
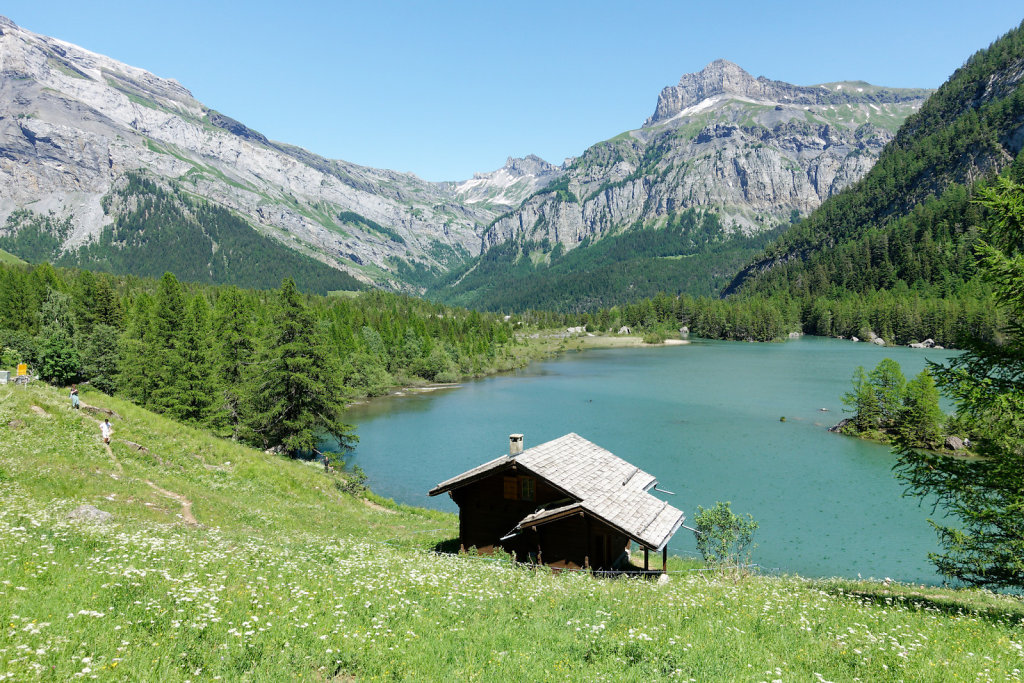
22,369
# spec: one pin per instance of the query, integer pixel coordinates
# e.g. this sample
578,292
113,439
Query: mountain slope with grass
288,572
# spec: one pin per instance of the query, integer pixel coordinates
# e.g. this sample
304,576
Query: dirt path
117,463
186,504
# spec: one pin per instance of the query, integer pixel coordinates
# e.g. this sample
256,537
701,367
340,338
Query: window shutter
511,488
526,487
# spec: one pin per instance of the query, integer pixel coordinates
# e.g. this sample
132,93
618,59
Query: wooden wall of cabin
485,515
575,540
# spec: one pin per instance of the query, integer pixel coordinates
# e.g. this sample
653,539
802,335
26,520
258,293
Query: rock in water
954,443
838,428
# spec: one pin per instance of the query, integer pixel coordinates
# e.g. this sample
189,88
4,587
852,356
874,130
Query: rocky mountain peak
717,78
722,79
531,164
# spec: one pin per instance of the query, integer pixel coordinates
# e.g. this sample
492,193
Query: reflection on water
704,419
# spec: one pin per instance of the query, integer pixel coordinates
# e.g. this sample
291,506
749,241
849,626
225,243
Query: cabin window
527,488
511,488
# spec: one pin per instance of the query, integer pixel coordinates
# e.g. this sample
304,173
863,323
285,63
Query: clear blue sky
443,89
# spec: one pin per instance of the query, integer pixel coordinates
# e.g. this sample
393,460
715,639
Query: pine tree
889,385
194,382
298,398
863,403
100,358
58,358
233,353
920,419
986,495
166,323
135,377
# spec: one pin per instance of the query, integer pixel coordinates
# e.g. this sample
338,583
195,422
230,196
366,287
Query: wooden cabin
567,503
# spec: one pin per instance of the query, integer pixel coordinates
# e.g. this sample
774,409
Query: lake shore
622,341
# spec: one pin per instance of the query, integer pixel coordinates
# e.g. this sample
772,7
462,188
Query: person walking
106,430
74,396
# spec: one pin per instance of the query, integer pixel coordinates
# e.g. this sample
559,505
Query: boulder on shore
838,428
954,443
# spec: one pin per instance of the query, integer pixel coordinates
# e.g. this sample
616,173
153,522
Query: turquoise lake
702,418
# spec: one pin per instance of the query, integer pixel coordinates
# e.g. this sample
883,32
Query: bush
724,538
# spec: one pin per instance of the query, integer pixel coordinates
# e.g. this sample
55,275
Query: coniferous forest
227,358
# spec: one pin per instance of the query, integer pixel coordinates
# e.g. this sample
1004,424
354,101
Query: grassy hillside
284,576
10,259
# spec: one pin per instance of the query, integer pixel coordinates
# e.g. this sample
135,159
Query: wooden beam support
664,558
647,564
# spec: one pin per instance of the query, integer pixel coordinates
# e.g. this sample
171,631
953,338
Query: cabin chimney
515,444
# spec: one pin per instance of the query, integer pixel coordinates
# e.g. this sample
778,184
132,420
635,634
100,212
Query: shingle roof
604,485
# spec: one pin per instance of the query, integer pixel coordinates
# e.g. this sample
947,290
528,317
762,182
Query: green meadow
225,563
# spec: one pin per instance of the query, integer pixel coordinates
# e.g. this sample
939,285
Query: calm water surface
704,420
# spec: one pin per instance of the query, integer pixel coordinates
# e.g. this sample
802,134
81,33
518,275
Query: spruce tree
135,377
194,382
920,419
233,356
297,396
165,363
985,545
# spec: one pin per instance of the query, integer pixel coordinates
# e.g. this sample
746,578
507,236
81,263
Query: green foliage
353,218
909,220
690,253
34,238
298,396
723,537
353,482
921,419
58,360
863,402
159,344
889,386
984,496
100,358
885,405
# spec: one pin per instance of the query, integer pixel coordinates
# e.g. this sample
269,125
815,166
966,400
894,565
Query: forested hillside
910,219
158,228
688,253
220,356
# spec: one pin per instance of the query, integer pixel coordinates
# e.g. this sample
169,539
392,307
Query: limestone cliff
753,150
